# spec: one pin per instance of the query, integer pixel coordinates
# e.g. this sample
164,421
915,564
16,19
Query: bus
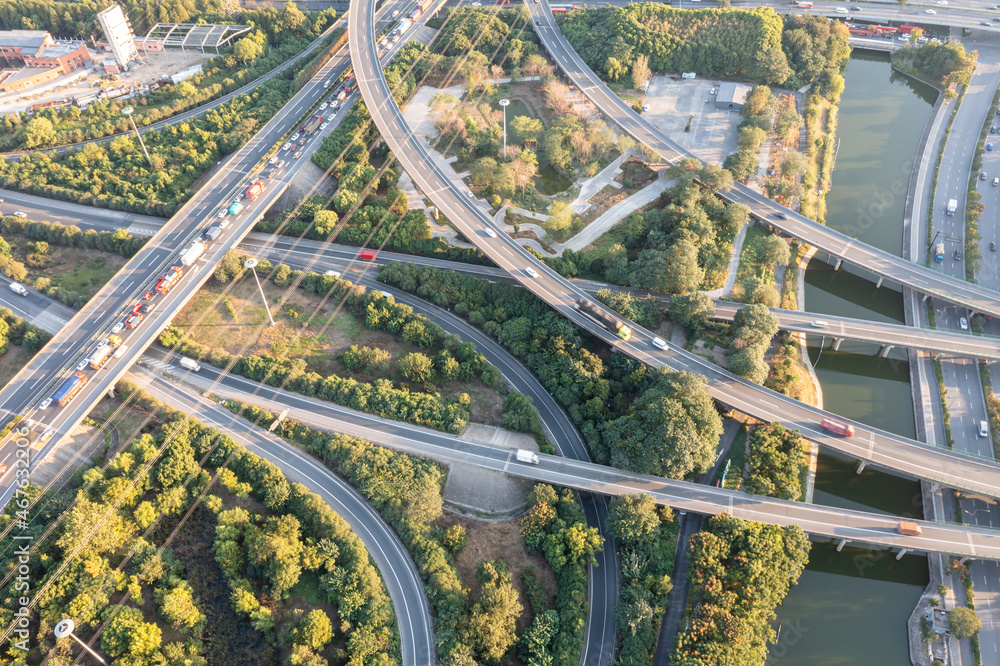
844,429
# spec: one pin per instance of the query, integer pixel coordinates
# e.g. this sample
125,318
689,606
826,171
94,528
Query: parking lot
672,103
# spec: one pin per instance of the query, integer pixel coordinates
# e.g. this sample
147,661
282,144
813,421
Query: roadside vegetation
162,597
655,422
973,199
740,572
945,65
680,244
26,340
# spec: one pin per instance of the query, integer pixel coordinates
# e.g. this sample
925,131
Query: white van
841,10
659,343
984,429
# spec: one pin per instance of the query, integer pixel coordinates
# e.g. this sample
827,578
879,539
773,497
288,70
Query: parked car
963,323
645,107
20,213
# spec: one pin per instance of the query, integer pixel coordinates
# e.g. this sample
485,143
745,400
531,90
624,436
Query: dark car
982,175
780,216
993,246
149,307
957,255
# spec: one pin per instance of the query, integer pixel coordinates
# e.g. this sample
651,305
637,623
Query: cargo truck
312,124
603,318
235,208
404,25
527,456
368,255
952,206
211,233
173,276
69,389
254,190
909,529
190,364
192,253
844,429
939,252
18,288
101,356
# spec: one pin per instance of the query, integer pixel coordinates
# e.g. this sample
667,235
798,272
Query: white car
44,404
82,364
469,194
322,107
46,436
121,351
20,213
819,323
395,13
531,272
222,213
929,11
395,39
386,294
943,3
963,323
645,107
659,343
331,117
323,126
491,233
841,10
118,327
287,146
335,274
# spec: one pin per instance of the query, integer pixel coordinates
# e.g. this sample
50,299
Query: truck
952,206
527,456
908,528
101,356
70,388
235,208
172,277
939,252
404,25
367,255
192,253
603,318
312,124
845,429
256,188
803,5
211,233
425,5
190,364
18,288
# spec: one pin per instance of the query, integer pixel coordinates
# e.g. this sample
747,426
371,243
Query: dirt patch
308,327
713,352
500,540
635,175
12,362
74,270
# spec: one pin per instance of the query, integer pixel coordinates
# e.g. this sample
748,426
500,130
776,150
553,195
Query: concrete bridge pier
923,299
841,544
885,351
902,551
836,266
964,560
879,283
938,355
835,345
861,466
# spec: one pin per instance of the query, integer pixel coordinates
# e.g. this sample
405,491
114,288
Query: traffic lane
402,579
794,224
707,500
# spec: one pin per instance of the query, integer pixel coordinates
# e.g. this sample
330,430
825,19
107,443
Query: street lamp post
503,104
251,263
128,112
65,628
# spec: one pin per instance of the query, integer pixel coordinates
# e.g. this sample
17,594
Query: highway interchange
512,263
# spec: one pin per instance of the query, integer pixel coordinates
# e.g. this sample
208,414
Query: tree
772,250
278,548
752,138
483,171
693,311
315,630
743,164
39,132
178,607
640,71
128,635
455,540
527,129
674,270
715,178
963,622
560,215
416,367
493,618
614,68
633,519
789,123
247,50
794,164
759,102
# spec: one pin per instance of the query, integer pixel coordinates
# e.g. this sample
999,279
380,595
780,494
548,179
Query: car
323,126
996,181
273,160
135,308
82,364
957,255
841,10
46,436
384,43
149,307
818,323
223,224
385,294
302,142
299,154
645,107
993,246
20,213
295,149
993,129
149,294
3,468
963,323
982,175
659,343
322,107
855,9
984,429
223,213
335,274
395,13
531,272
1,199
986,23
134,320
117,328
996,20
780,216
395,40
989,146
44,404
288,144
281,164
490,232
943,3
121,351
929,11
330,118
469,194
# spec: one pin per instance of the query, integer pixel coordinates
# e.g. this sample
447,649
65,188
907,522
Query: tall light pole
503,104
65,628
128,112
251,263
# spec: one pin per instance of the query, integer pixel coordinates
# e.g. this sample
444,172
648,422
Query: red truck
312,124
254,190
368,255
844,429
166,282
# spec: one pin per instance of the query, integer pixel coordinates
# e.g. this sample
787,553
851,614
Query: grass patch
736,462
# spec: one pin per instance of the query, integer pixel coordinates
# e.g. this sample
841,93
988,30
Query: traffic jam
114,345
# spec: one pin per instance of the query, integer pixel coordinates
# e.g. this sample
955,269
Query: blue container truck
70,388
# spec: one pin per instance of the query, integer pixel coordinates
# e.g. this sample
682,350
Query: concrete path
613,215
589,188
734,263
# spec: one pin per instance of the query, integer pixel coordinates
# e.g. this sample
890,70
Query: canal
851,607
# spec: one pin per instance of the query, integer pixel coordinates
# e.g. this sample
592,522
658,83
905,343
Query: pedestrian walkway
591,187
734,263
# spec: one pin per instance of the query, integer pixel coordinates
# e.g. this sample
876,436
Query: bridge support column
902,551
937,356
964,560
885,351
923,299
836,266
836,344
841,544
861,466
879,284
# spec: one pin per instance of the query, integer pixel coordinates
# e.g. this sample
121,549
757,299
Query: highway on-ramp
879,262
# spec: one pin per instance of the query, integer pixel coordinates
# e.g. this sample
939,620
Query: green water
548,181
851,607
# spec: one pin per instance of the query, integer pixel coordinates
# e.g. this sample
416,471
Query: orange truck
844,429
164,284
909,528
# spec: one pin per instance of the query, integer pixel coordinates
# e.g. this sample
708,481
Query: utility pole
251,263
65,628
503,104
128,112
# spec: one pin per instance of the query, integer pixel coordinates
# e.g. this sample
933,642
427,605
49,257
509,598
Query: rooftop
27,39
12,75
732,93
60,49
